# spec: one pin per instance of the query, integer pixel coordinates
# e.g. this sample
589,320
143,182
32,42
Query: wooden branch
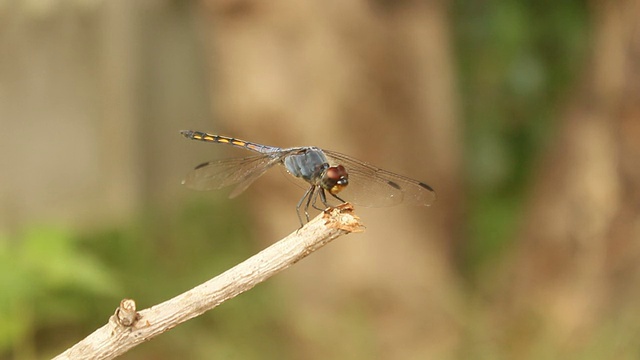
128,328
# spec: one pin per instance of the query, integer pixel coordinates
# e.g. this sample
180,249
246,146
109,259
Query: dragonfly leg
307,195
323,198
312,194
337,197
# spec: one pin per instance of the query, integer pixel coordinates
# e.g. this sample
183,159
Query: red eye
337,172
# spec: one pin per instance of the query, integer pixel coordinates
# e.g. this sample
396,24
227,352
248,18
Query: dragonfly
323,171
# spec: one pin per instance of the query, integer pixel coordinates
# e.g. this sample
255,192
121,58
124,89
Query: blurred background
524,116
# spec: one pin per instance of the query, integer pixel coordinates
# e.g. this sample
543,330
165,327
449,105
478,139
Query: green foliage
45,278
516,60
54,279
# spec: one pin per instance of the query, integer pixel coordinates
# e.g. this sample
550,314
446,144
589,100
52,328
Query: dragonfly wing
222,173
371,186
252,176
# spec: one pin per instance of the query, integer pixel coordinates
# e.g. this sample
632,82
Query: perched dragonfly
324,171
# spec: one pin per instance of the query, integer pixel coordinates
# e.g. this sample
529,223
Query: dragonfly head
336,178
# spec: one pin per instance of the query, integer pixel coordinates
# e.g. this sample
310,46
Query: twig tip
126,314
342,217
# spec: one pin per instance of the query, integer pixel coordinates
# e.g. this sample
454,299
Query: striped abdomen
197,135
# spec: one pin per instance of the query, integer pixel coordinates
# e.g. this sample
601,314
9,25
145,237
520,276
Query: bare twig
127,328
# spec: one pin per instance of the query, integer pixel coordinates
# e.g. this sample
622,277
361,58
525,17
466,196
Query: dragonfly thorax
311,165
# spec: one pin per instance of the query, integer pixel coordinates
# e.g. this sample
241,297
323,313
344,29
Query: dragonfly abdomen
202,136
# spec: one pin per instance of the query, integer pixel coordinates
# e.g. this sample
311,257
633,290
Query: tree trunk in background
578,263
373,80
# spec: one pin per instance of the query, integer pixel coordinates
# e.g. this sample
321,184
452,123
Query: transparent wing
373,187
222,173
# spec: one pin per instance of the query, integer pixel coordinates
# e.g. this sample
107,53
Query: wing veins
222,173
384,188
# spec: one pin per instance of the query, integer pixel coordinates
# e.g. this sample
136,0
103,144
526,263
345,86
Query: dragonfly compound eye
338,178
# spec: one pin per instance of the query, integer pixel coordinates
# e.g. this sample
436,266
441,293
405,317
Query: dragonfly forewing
371,186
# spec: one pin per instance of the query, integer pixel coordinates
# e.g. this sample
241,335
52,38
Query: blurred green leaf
516,59
42,274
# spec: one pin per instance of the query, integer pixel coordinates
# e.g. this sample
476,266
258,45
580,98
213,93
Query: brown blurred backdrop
524,117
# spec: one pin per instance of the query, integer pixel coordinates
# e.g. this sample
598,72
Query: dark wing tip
393,184
434,196
201,165
427,187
